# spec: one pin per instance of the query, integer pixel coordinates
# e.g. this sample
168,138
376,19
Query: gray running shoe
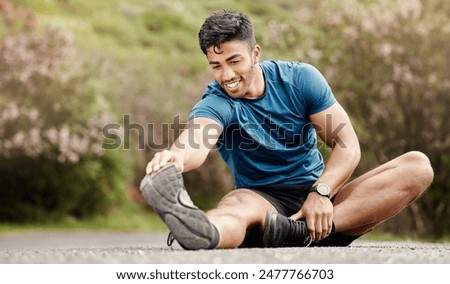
164,190
281,231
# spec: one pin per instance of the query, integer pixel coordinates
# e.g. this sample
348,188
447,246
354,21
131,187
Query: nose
227,74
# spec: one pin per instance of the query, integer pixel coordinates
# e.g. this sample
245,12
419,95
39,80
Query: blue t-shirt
270,140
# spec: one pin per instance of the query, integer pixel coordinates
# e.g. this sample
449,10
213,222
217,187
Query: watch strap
314,189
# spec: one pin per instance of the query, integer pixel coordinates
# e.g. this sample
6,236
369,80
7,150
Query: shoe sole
268,229
165,192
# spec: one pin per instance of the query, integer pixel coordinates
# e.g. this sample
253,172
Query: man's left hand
318,213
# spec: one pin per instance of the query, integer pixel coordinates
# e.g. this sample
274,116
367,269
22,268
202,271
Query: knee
421,162
232,206
240,206
235,199
419,169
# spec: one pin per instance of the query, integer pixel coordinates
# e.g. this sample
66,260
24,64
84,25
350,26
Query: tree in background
388,63
52,111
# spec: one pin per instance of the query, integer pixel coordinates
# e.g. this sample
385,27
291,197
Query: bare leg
235,213
381,193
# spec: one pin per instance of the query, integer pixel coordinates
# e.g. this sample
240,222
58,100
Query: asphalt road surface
144,248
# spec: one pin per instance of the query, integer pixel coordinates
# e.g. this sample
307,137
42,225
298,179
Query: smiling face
235,67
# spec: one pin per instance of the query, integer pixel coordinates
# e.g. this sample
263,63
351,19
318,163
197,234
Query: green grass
387,237
128,218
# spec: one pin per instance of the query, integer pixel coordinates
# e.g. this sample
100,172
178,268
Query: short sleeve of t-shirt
314,88
213,106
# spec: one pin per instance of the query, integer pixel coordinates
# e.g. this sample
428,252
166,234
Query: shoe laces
298,231
170,240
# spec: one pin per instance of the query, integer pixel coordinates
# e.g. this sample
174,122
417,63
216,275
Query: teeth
233,85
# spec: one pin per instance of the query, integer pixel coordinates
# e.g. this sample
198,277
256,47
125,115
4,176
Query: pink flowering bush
42,111
51,115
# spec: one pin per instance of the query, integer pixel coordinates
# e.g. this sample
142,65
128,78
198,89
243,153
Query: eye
234,62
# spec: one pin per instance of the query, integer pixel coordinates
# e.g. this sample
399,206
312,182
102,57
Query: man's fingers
149,168
330,225
318,232
311,227
158,161
298,215
163,158
319,228
323,228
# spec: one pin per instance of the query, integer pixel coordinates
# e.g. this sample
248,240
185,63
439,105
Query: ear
256,53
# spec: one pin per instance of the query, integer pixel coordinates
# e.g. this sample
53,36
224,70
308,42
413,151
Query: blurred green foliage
387,62
52,110
42,190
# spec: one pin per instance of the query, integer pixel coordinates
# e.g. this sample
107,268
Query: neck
259,85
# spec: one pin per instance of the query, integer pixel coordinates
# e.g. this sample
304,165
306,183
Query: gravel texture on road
132,248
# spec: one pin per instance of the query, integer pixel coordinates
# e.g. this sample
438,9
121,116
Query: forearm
192,156
190,149
335,129
340,166
195,143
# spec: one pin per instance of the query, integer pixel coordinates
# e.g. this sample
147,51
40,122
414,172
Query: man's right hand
163,158
191,148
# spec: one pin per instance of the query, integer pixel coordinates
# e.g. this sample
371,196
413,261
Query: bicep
334,127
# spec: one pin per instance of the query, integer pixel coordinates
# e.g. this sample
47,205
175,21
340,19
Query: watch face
323,189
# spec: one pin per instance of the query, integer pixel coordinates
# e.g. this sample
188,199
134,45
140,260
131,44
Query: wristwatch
322,189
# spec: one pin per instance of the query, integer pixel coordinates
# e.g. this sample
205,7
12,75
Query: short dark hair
223,26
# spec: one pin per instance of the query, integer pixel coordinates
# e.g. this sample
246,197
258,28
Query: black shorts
288,200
